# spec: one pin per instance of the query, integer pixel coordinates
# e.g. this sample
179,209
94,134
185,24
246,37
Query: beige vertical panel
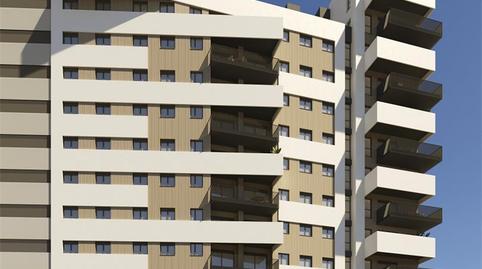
87,38
296,118
182,259
181,8
184,129
121,109
297,182
86,143
296,55
121,144
121,213
87,108
121,74
121,5
121,248
86,247
121,178
86,73
154,113
182,59
86,177
153,5
121,40
181,197
86,212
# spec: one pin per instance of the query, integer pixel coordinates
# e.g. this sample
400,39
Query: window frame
167,180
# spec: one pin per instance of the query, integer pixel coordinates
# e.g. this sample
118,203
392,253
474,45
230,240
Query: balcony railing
409,154
243,57
409,91
410,216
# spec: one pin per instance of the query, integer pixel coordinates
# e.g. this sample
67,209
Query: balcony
410,92
232,65
410,28
409,155
254,135
394,120
420,7
410,216
250,201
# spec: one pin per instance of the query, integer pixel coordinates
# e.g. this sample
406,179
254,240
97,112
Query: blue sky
459,130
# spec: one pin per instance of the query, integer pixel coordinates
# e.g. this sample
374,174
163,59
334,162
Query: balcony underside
386,66
411,35
409,161
390,256
234,138
385,5
231,71
248,207
393,130
397,193
420,224
417,100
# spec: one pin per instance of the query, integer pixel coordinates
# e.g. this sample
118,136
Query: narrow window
286,164
286,100
286,228
286,36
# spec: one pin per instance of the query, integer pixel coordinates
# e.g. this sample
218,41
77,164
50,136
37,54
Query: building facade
216,134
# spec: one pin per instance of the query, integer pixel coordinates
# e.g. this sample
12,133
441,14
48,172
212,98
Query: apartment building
216,134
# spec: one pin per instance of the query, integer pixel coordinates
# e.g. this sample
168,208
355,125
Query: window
286,227
102,143
71,212
102,74
305,104
168,249
139,213
102,39
328,46
286,36
196,249
102,178
284,258
368,209
102,247
139,248
168,111
139,110
71,177
140,41
222,260
328,76
305,134
328,139
71,73
305,261
328,232
168,76
139,144
139,6
166,7
194,10
71,108
168,145
196,214
168,181
327,201
102,4
328,170
368,86
284,130
139,179
168,214
71,4
305,167
327,263
197,77
71,143
305,230
196,112
254,262
196,43
197,145
368,147
284,195
102,213
348,207
139,75
102,109
306,71
286,100
327,108
71,38
286,164
168,42
305,198
284,67
71,247
305,40
196,181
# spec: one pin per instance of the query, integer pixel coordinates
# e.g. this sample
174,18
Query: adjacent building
216,134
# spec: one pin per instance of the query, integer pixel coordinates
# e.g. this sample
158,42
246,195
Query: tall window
168,181
286,100
139,75
305,167
196,43
139,6
102,4
168,76
348,5
368,147
368,24
284,130
306,71
284,258
286,164
102,39
168,42
305,261
305,40
102,143
140,41
71,38
166,7
368,208
168,111
286,36
168,145
168,214
286,228
168,249
368,86
284,67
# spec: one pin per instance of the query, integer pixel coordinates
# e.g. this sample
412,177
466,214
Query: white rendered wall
24,228
25,88
108,195
24,123
24,260
99,261
14,193
400,244
32,19
24,53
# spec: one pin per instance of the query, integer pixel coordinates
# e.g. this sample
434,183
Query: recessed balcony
409,155
409,216
410,28
400,121
420,7
409,91
234,65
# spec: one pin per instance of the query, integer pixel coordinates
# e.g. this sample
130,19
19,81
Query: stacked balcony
409,216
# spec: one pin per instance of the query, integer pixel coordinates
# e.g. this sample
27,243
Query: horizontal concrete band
25,54
25,88
24,123
32,19
400,244
103,195
24,193
24,228
97,261
25,260
25,158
